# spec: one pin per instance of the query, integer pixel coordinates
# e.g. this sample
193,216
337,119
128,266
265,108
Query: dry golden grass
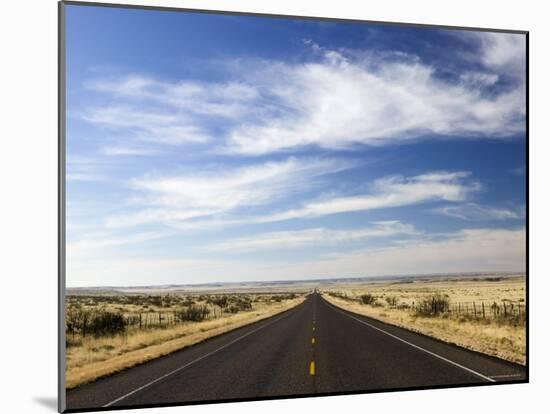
488,336
98,357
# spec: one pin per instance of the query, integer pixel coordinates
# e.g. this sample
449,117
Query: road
314,348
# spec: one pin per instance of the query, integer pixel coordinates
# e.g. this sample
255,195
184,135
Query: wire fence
439,305
475,310
101,322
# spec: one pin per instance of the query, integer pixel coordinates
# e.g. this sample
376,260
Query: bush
339,295
433,306
193,313
97,323
367,299
188,302
107,323
156,301
392,300
220,301
243,305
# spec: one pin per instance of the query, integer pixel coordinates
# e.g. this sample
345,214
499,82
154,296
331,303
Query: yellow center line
312,368
312,341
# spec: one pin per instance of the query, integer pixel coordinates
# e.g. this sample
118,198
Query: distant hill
276,285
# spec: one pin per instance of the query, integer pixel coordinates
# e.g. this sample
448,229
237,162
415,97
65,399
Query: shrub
339,295
238,304
367,299
392,300
433,306
232,309
193,313
188,302
107,323
220,301
97,323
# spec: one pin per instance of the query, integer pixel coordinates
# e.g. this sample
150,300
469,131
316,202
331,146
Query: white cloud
343,101
80,168
502,52
153,125
203,201
116,150
472,211
339,99
393,191
176,198
479,79
313,237
96,245
215,99
155,271
465,251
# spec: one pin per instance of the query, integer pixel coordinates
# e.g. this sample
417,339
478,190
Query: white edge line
195,361
456,364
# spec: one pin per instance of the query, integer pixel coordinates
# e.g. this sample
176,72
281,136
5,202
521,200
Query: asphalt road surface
314,348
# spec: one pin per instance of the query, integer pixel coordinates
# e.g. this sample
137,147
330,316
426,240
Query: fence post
483,309
475,310
140,320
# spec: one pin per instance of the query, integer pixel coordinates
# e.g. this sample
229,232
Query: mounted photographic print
257,207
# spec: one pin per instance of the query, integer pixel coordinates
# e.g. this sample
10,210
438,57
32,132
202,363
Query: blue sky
212,148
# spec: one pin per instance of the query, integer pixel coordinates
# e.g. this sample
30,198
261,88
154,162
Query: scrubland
485,314
106,334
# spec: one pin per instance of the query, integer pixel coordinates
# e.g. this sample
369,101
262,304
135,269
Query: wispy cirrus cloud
180,197
83,168
147,124
336,100
393,191
472,250
165,113
97,244
314,237
352,98
191,202
474,212
123,149
229,99
469,250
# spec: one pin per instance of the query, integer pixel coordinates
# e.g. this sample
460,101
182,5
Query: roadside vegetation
486,314
106,334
